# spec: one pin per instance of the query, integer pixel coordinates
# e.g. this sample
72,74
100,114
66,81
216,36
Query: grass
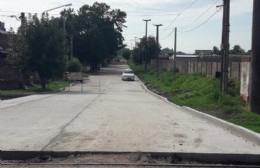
36,88
201,93
248,120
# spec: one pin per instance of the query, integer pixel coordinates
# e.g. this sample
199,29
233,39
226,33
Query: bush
74,65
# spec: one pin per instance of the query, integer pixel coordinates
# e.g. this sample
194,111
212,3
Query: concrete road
111,115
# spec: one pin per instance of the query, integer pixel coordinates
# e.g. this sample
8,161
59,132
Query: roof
185,56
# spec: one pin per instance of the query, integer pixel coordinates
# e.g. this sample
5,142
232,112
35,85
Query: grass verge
201,93
53,86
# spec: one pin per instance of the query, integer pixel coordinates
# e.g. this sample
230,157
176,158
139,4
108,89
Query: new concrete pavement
112,115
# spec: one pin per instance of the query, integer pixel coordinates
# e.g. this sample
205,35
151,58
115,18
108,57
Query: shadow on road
112,69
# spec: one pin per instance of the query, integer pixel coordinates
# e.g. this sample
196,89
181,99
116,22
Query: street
108,114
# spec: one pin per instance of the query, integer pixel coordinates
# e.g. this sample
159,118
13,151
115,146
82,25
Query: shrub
74,65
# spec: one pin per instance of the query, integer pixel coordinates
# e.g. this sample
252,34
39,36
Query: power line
186,8
200,15
206,21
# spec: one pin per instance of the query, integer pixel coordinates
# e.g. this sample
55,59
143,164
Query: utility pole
157,40
254,92
71,47
175,50
225,46
146,48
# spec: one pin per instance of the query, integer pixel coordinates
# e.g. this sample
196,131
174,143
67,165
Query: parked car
128,74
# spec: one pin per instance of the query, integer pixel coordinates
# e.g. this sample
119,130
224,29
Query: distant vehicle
128,74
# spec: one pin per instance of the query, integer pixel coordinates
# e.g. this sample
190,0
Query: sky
198,22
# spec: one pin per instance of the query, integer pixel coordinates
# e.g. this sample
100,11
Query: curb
235,129
156,95
204,158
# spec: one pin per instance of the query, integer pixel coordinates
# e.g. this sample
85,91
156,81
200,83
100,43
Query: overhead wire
196,19
180,13
206,21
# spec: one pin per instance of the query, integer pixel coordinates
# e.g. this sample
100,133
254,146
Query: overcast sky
198,21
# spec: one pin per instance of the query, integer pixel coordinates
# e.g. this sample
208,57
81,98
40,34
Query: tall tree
97,31
152,46
45,42
125,53
16,53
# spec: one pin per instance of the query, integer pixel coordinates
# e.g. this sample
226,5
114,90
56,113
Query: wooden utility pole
254,92
157,40
146,47
225,46
175,51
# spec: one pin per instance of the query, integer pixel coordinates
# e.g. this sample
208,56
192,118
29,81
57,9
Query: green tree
97,32
167,52
74,65
237,50
16,53
153,50
125,53
45,54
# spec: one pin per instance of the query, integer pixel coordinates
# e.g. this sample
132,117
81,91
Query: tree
97,32
125,53
181,53
16,53
152,48
138,55
216,50
74,65
237,50
167,52
45,54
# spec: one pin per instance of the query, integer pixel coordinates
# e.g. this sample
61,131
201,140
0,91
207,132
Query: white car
128,74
